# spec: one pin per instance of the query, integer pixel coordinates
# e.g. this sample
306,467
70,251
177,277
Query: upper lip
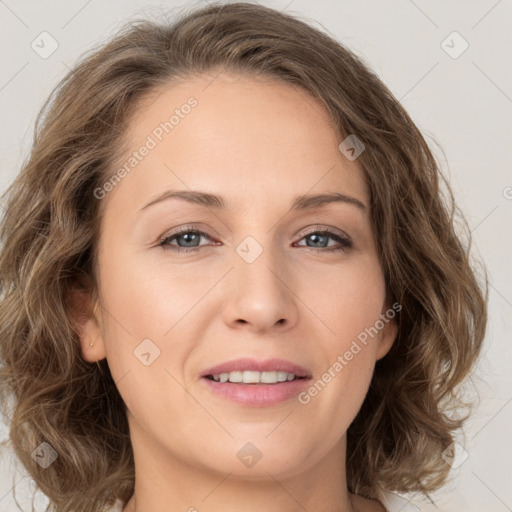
267,365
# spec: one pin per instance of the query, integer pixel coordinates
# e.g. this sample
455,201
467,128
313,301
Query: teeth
250,377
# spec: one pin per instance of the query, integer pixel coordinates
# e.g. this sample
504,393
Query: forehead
252,138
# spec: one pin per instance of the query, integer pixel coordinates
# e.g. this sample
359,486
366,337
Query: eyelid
184,229
317,228
309,230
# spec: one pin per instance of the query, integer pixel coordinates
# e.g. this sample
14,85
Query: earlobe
85,319
387,338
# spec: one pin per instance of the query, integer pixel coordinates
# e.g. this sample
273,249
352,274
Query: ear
86,319
389,331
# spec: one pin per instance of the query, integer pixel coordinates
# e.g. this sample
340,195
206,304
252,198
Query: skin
258,143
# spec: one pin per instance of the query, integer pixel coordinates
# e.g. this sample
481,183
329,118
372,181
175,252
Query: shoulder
396,503
117,507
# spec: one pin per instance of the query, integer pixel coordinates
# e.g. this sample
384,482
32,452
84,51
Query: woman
230,279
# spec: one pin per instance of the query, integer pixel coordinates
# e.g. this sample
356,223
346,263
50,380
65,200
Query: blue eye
187,235
193,236
318,237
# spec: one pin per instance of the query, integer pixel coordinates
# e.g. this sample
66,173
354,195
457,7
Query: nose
259,293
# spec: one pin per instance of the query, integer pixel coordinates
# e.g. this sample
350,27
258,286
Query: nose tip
261,299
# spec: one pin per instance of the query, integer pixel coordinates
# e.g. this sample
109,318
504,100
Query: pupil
317,237
192,235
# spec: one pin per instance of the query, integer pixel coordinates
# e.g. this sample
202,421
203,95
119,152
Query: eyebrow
302,202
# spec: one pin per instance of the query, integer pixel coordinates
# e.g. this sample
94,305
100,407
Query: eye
191,239
320,238
185,235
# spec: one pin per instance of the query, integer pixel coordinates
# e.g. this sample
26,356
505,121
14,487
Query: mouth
253,371
256,394
254,377
254,383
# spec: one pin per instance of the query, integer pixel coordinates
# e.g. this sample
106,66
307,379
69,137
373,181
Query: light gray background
463,103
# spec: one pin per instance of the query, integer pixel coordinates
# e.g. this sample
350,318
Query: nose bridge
259,294
256,263
259,257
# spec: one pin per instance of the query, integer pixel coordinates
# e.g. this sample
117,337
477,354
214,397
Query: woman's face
264,282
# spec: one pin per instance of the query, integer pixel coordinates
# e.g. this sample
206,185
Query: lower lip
258,395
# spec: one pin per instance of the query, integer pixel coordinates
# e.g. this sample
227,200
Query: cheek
147,299
144,333
344,375
349,302
348,298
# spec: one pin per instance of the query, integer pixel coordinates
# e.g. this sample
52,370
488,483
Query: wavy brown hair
50,229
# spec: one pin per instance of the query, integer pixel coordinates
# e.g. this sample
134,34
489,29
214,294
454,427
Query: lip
257,395
267,365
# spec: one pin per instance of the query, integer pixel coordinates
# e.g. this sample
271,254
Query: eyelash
345,243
